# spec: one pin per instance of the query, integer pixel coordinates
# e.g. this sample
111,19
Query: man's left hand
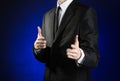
74,52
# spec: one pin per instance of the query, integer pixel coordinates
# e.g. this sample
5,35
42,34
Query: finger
73,51
68,50
39,31
73,56
41,46
76,41
41,40
69,53
73,46
40,43
70,56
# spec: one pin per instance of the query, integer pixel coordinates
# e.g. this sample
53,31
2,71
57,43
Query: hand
40,42
74,52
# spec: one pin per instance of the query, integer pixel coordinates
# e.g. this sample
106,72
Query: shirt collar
65,5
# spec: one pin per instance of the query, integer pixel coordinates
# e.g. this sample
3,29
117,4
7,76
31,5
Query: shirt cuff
80,60
36,51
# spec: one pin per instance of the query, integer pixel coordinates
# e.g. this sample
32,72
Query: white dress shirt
62,11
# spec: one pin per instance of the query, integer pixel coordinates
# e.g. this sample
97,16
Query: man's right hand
40,42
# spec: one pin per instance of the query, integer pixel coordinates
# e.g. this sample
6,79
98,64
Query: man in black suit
67,43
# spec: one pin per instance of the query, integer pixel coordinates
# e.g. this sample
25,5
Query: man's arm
85,48
42,54
40,49
89,39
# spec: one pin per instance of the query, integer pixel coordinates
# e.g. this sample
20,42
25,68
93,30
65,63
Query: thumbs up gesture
40,42
74,52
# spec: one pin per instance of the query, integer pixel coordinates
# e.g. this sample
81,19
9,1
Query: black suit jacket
78,20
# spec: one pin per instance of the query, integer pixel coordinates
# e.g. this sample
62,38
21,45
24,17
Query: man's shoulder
50,11
84,7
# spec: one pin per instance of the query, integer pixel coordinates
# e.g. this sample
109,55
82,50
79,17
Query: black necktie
57,18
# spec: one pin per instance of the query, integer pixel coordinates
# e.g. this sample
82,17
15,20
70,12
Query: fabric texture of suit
78,20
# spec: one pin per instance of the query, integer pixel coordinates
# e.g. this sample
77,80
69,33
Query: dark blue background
18,31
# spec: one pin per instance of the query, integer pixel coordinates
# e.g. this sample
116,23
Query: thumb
76,41
39,31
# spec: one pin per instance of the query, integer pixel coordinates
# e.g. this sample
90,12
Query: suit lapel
66,18
49,23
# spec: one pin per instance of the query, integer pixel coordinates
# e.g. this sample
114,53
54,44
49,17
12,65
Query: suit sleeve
89,39
42,54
